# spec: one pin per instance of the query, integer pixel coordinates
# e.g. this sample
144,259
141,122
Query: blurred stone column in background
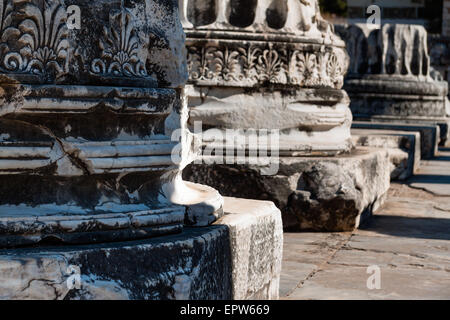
391,78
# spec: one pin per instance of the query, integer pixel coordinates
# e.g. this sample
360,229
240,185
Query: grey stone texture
256,240
279,66
85,152
92,203
429,133
433,176
403,148
268,66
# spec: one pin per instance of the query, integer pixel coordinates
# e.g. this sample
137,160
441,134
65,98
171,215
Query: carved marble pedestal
84,151
273,66
390,78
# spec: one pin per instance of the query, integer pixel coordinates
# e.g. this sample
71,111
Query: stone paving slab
343,282
434,176
408,239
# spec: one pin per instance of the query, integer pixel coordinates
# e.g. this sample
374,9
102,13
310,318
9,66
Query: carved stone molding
293,17
254,63
249,56
116,44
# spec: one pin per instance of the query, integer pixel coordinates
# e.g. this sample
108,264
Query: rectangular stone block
256,239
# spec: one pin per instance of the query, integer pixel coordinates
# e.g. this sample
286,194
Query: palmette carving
41,34
200,63
226,63
6,28
252,64
120,48
269,65
35,42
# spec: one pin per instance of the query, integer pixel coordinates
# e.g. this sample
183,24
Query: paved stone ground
409,239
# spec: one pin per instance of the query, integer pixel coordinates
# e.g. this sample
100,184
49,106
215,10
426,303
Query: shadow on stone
442,159
429,178
194,265
409,227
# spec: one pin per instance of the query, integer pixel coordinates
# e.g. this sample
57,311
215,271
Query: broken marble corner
238,257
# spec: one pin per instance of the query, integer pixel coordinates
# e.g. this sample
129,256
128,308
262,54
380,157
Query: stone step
443,123
429,134
313,193
434,175
403,147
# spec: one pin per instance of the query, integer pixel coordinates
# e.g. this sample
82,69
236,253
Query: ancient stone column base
237,258
314,193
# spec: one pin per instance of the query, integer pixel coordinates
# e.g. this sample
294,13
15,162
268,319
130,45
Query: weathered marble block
238,257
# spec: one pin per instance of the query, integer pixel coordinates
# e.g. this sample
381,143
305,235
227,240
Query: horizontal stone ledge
212,35
401,87
24,225
429,133
256,64
314,193
23,98
100,157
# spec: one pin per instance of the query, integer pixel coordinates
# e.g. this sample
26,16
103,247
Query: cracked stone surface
409,239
